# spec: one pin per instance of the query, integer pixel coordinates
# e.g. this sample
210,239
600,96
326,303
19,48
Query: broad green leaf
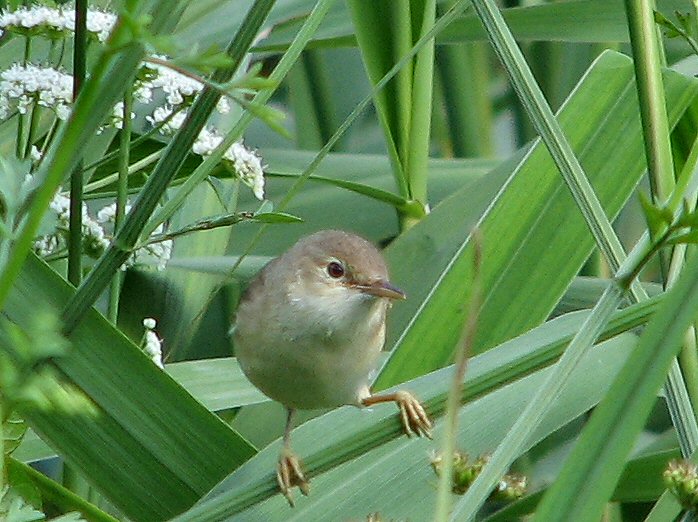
53,494
218,384
322,205
641,480
486,373
152,450
570,21
246,269
357,488
208,22
592,469
32,448
534,238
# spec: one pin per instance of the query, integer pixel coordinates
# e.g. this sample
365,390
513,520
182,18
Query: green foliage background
401,124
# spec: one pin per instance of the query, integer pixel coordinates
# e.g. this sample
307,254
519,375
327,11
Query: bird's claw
414,419
289,474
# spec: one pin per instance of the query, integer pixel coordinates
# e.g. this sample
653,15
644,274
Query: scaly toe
289,474
414,419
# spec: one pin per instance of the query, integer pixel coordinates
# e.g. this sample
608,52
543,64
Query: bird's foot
414,419
289,474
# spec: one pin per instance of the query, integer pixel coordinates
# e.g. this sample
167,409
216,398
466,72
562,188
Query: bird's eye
335,269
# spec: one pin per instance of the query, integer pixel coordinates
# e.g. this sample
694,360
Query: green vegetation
530,168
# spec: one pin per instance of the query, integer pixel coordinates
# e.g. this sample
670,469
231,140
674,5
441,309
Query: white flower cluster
246,163
179,88
53,22
157,254
94,242
23,85
152,344
96,235
169,120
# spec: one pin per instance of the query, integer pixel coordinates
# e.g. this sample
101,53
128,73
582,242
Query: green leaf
349,209
402,466
657,218
411,207
671,31
218,384
52,495
688,217
641,481
600,21
594,465
13,430
246,269
686,238
276,217
145,421
534,238
686,20
32,448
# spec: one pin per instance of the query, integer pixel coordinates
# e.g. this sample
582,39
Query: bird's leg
414,419
288,472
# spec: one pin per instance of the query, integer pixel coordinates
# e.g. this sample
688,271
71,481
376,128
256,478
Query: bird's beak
382,289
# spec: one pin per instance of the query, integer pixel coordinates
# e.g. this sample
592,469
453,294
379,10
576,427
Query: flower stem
121,195
76,181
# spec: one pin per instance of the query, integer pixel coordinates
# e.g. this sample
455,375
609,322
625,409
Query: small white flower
107,214
34,153
23,85
117,118
207,141
48,244
178,88
152,344
246,163
157,254
175,85
100,23
49,21
143,93
165,114
36,17
248,166
94,241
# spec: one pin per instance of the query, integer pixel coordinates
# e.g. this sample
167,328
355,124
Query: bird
309,329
